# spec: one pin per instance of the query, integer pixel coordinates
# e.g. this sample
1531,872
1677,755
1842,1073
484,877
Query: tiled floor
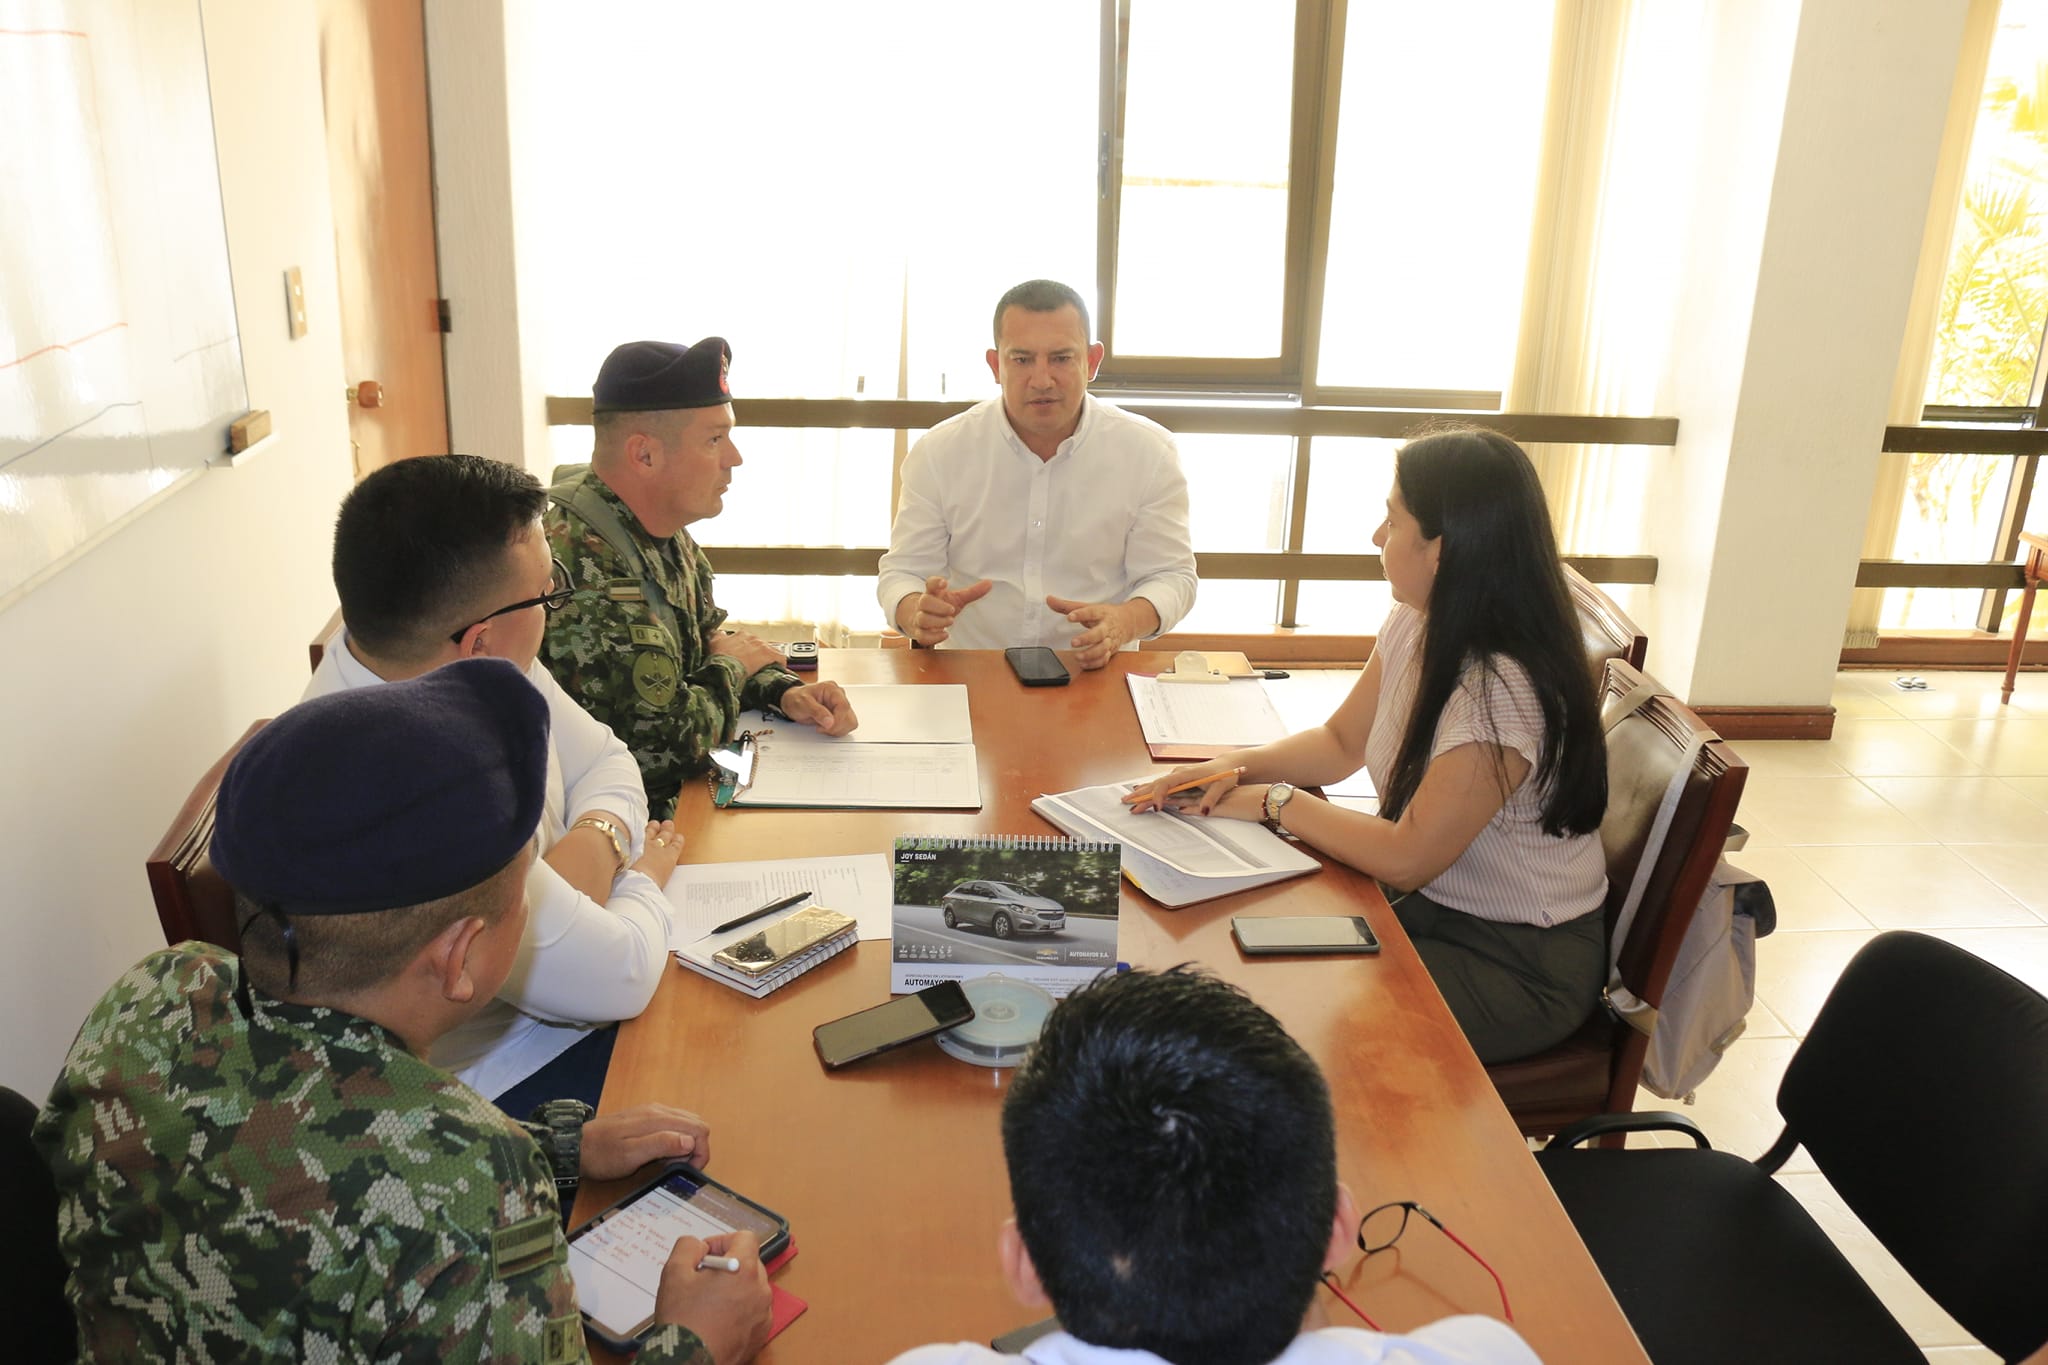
1926,810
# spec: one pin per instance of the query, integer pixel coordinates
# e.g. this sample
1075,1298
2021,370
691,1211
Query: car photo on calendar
1036,907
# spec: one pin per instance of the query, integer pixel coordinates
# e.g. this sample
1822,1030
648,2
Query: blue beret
656,376
386,796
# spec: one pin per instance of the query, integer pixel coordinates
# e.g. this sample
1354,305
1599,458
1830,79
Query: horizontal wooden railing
1282,419
1236,419
859,560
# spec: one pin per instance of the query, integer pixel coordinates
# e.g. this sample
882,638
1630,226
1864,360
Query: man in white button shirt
1041,516
1173,1166
442,558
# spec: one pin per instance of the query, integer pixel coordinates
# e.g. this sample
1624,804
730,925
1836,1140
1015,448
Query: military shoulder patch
525,1245
625,590
560,1340
652,636
654,677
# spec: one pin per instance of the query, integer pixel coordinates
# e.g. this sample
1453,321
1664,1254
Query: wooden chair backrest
1606,629
192,900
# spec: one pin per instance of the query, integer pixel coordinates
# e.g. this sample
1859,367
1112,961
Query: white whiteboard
120,366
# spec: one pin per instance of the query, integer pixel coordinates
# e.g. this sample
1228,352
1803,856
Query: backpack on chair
1713,982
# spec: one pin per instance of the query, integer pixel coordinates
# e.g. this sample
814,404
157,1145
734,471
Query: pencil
1197,782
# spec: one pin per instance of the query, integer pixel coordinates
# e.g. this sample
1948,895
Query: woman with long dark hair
1477,720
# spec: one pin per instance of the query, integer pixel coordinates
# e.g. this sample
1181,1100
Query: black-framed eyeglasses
553,599
1382,1227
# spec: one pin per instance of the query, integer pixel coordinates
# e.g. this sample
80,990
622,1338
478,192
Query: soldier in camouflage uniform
253,1158
645,651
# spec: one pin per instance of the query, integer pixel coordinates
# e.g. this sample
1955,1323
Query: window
841,191
1203,181
1424,287
1304,203
1989,321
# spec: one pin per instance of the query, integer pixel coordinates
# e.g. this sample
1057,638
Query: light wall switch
295,302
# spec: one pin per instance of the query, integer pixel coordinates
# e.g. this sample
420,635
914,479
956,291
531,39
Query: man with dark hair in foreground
1173,1165
254,1158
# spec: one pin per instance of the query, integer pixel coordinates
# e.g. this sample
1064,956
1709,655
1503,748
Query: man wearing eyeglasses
442,558
646,650
1173,1168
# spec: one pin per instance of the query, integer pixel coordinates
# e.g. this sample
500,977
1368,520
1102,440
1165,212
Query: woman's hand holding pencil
1213,779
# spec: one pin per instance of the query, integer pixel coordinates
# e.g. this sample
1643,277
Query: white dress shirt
1470,1340
1104,520
579,963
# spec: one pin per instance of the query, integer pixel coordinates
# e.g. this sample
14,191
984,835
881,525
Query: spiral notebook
1035,907
703,957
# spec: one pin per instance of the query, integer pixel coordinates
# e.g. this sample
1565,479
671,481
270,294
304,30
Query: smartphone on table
1036,666
1265,935
616,1258
902,1020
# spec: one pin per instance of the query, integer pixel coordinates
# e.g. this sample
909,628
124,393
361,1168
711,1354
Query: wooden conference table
891,1172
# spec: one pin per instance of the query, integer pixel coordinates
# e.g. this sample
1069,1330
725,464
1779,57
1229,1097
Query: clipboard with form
913,750
1191,723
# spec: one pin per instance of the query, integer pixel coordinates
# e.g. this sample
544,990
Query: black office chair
1922,1095
39,1325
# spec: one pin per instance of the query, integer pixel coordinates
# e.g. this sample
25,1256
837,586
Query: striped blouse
1512,873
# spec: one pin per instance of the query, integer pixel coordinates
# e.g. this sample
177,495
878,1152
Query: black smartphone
1270,934
902,1020
616,1258
1037,666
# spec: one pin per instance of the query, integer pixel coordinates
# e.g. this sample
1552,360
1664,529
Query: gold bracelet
609,831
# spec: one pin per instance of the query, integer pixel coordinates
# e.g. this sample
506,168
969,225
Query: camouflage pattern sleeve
657,686
268,1181
672,1345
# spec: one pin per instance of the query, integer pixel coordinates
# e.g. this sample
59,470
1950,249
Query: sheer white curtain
841,191
1607,250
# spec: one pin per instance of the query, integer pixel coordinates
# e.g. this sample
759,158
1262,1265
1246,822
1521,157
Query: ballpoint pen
770,908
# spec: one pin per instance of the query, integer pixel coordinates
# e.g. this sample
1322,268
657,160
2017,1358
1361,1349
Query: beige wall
130,670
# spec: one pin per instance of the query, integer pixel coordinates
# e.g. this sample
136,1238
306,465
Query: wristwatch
1277,796
609,831
557,1125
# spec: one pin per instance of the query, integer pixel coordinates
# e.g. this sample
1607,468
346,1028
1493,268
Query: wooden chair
2033,570
317,646
1596,1069
1608,632
192,901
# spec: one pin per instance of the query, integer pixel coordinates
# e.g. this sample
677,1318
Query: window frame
1316,78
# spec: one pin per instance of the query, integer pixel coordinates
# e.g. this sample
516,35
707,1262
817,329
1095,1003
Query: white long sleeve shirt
1470,1340
1104,520
579,963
